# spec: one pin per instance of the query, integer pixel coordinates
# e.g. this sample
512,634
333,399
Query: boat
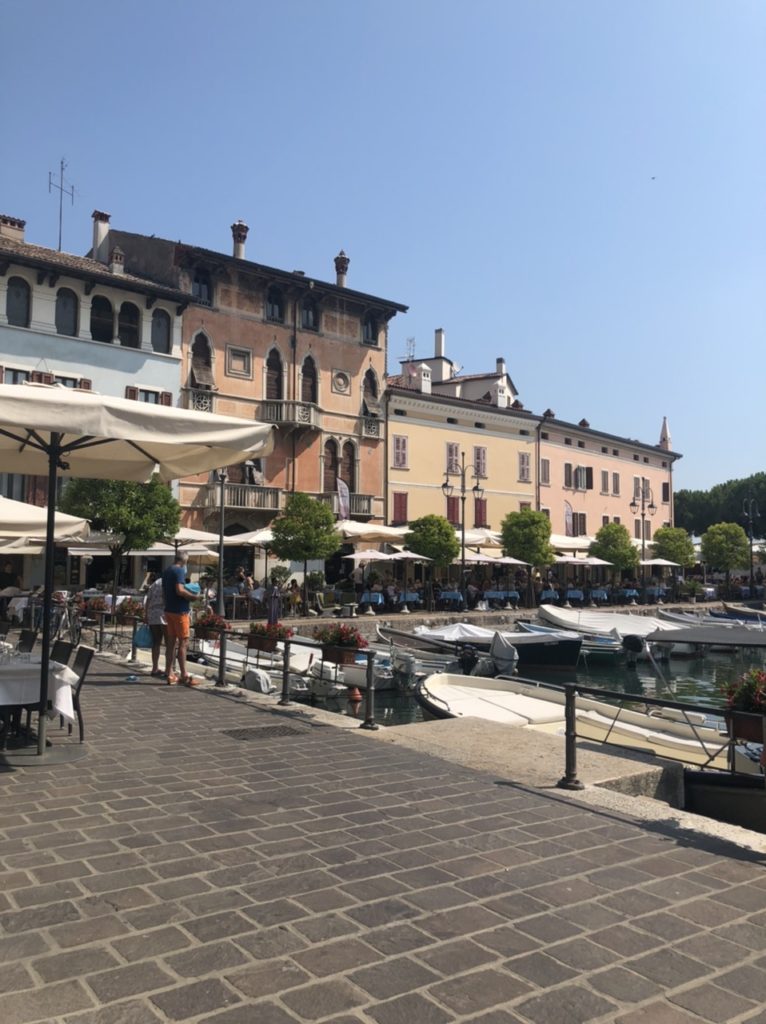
744,612
533,650
595,646
524,703
618,624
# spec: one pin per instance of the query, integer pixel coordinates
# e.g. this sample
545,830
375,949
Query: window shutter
400,507
567,474
589,478
84,384
38,377
453,511
665,486
131,393
480,511
166,398
2,374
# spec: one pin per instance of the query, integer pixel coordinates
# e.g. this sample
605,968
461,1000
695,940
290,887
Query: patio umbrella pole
54,454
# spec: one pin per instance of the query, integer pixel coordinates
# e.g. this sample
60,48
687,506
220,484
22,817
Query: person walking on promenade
154,610
177,627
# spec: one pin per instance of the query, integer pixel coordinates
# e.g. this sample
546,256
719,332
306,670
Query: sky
577,187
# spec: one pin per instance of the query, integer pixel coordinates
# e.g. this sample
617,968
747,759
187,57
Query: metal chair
61,651
80,668
26,641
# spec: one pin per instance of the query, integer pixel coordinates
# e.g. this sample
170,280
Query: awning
372,406
203,372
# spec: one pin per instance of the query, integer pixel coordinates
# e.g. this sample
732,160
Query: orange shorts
177,625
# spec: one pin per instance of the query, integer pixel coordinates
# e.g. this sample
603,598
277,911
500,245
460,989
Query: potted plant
208,626
130,608
339,642
746,699
264,637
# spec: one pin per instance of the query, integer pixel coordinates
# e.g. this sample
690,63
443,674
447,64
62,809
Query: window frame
480,461
60,294
27,290
399,503
400,453
452,458
545,472
233,352
525,468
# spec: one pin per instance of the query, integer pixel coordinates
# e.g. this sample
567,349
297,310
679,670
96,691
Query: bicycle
66,623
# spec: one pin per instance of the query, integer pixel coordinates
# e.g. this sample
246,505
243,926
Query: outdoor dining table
549,595
451,595
574,594
599,594
20,685
410,597
372,597
629,593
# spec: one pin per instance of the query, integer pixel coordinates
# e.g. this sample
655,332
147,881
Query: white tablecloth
16,607
20,684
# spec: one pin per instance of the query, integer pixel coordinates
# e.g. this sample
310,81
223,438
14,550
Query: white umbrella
188,535
585,560
20,546
45,429
359,557
350,530
18,519
481,537
661,562
477,557
510,560
256,538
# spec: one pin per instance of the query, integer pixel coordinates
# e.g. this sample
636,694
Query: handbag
143,637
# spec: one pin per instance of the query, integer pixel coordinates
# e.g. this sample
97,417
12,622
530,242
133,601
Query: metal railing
243,496
358,504
299,414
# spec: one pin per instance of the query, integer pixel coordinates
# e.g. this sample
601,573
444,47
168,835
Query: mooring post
285,698
221,681
369,699
569,779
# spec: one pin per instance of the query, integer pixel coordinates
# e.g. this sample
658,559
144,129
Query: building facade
277,346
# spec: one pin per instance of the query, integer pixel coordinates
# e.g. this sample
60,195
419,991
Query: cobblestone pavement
212,862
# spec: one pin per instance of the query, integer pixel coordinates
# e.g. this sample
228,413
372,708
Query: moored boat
595,646
533,650
618,624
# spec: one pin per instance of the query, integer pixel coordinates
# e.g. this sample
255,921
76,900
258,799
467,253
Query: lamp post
478,492
220,478
751,512
646,505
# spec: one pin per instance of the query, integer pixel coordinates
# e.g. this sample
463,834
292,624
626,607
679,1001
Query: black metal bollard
221,681
369,699
102,616
285,698
569,779
133,648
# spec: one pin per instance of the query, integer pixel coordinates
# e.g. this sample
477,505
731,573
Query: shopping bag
143,637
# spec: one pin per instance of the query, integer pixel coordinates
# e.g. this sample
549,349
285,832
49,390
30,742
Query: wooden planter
339,655
745,727
262,643
207,633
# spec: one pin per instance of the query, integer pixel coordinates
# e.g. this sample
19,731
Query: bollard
569,779
369,699
221,681
102,616
133,648
285,698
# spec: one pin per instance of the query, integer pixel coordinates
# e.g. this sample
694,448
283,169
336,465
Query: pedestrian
177,627
275,603
154,612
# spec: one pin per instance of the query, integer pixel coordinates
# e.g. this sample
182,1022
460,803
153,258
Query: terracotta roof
82,266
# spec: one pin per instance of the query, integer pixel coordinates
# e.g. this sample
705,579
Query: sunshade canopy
21,520
661,562
187,535
370,556
350,530
256,538
584,560
101,437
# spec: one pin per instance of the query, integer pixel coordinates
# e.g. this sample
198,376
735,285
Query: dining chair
82,660
26,641
5,625
61,651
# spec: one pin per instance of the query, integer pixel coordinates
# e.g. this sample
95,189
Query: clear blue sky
578,187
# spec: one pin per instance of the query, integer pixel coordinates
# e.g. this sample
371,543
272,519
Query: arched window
370,330
370,400
101,319
201,287
275,305
128,324
67,308
309,380
202,363
370,385
348,466
330,467
273,376
18,302
161,331
309,315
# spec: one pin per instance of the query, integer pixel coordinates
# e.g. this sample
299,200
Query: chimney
341,269
239,232
117,261
500,366
12,227
100,231
439,343
424,379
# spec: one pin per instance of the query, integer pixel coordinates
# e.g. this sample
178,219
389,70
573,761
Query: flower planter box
207,633
746,727
262,643
339,655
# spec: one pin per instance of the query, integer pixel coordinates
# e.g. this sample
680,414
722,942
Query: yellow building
438,423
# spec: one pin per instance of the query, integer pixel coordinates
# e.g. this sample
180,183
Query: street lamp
646,505
220,478
478,492
751,512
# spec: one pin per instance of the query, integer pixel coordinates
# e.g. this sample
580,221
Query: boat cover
586,621
720,636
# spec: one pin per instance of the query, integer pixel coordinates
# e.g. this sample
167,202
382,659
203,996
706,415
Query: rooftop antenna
410,349
61,191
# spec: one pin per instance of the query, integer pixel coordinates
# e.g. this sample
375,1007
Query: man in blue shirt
177,599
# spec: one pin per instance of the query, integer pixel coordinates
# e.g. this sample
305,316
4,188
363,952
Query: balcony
245,496
198,399
289,413
358,504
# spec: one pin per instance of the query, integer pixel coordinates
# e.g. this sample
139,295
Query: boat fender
354,694
257,680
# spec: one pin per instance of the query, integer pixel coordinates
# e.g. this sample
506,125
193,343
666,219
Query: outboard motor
632,645
467,659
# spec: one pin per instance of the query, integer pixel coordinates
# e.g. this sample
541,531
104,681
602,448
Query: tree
527,535
133,515
695,511
306,530
614,545
674,544
725,547
433,537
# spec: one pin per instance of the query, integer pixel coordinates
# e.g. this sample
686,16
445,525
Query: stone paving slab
313,874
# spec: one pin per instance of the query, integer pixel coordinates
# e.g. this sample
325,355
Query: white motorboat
595,646
533,650
679,735
618,624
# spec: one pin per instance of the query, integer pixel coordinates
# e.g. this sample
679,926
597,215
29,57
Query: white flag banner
343,499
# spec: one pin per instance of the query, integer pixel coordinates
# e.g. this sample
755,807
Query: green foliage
434,538
306,530
696,511
280,574
614,545
674,544
747,693
725,547
339,635
527,535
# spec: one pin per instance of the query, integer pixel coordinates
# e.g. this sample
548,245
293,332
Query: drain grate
264,732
